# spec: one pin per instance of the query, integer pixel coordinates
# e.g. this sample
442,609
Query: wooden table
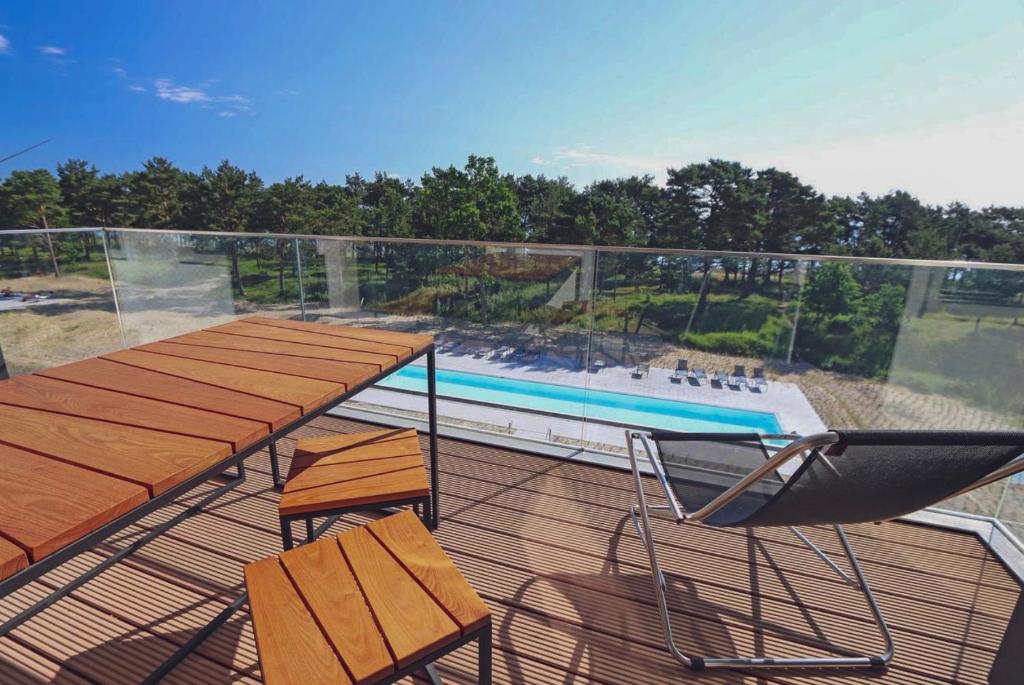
90,448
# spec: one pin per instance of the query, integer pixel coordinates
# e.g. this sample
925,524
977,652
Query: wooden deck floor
548,546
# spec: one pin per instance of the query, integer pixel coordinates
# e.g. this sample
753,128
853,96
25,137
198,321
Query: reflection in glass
56,302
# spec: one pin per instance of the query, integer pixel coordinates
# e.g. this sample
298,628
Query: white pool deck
792,410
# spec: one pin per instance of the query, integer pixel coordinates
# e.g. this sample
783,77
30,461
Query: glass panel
671,333
173,283
56,303
510,327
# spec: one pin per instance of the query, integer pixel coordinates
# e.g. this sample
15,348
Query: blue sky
923,95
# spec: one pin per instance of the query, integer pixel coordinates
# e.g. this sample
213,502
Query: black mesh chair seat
865,476
701,466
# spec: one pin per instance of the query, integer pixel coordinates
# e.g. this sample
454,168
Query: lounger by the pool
641,370
681,372
721,377
758,380
734,480
699,374
597,365
738,376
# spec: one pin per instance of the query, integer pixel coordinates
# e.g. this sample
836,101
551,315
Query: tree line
713,205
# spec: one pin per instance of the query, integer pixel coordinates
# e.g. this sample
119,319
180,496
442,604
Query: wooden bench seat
335,474
367,607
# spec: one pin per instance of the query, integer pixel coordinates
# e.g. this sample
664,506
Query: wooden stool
338,474
370,606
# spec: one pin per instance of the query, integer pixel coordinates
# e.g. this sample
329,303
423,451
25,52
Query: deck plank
155,460
48,394
12,558
227,341
345,373
47,504
411,621
108,375
298,654
404,535
265,332
414,341
305,393
324,580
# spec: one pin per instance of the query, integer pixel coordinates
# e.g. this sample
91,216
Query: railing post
113,287
302,291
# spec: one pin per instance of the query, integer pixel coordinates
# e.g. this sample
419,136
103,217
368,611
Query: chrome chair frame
642,512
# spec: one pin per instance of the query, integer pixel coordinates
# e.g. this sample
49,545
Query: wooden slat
226,341
12,558
414,341
253,330
292,649
412,622
100,373
305,393
315,476
346,373
422,557
150,458
46,504
408,483
346,449
325,582
48,394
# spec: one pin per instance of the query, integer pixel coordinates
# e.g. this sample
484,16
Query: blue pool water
622,408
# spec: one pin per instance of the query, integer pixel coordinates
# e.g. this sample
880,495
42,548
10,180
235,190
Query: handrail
551,247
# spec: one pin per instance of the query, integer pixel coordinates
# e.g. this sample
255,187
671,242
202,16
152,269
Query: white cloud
137,88
53,53
287,91
120,72
5,45
168,90
603,164
227,105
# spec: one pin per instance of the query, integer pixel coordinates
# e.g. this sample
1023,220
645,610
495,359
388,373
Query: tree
224,200
31,199
474,203
155,195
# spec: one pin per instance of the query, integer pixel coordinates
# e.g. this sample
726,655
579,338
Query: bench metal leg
310,532
286,534
484,647
275,466
435,511
432,675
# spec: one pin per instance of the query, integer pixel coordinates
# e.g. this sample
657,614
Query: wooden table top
84,443
357,607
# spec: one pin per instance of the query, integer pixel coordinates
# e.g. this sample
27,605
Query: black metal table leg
275,466
435,506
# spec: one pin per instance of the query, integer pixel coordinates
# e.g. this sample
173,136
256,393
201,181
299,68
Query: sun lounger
758,380
681,372
732,480
641,370
699,374
738,376
720,377
597,365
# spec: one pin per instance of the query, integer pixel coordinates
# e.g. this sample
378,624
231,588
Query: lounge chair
738,376
731,480
681,372
758,380
641,370
597,365
699,374
721,377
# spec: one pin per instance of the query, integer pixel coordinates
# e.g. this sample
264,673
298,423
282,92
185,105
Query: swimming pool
569,401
